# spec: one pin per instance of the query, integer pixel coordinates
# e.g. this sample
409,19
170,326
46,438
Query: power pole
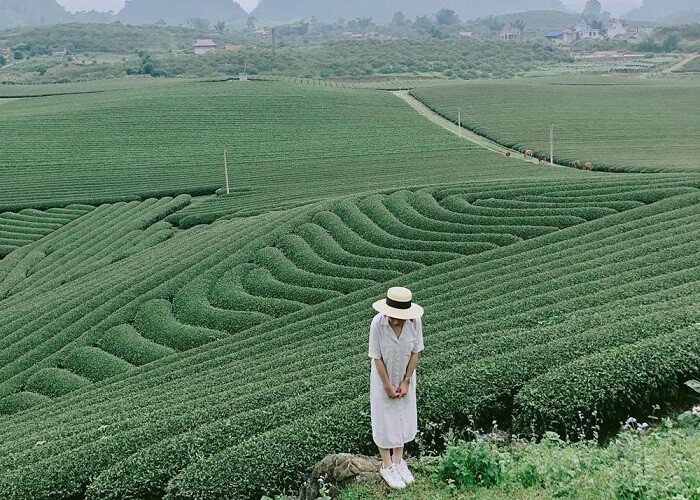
551,144
228,191
274,45
459,121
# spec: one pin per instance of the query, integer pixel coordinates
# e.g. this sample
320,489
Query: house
585,32
261,32
233,47
202,46
511,35
616,28
4,52
561,37
466,34
59,53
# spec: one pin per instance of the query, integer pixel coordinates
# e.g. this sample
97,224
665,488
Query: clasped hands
397,392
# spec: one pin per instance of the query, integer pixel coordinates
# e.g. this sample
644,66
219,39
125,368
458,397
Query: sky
615,6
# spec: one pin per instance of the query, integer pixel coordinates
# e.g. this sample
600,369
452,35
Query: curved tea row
226,340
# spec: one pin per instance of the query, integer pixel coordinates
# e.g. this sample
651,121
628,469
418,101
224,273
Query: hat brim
415,311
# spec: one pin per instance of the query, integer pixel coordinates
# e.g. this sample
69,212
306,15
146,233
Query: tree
423,24
671,43
518,24
493,24
364,22
446,17
592,10
3,61
221,26
250,23
41,70
399,19
18,55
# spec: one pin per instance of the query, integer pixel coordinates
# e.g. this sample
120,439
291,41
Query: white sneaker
405,474
391,476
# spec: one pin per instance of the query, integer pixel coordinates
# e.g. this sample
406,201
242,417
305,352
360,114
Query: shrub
472,464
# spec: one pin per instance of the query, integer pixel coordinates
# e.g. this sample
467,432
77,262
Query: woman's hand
391,391
403,389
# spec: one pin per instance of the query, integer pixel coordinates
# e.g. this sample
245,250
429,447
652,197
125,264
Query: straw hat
397,304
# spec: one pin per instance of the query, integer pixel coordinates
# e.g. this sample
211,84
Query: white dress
394,421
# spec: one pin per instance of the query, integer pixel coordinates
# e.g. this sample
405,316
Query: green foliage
472,464
55,382
659,462
156,160
203,350
606,387
95,364
126,343
585,127
21,401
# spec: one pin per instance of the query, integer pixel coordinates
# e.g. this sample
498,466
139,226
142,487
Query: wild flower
631,424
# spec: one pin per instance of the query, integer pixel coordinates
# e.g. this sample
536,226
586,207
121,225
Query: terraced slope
226,341
121,143
617,124
27,226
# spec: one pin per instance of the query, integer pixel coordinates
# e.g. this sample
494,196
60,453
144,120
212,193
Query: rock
338,470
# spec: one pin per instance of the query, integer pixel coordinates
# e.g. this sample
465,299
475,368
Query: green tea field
617,124
160,342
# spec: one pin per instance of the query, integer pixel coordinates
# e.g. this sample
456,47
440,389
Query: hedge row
126,343
359,243
615,384
95,364
229,293
399,218
55,382
332,251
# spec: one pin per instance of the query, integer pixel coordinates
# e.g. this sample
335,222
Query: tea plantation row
175,370
125,141
617,124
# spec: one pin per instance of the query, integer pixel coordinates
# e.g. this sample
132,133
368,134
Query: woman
395,339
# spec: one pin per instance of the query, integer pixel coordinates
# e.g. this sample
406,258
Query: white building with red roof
204,45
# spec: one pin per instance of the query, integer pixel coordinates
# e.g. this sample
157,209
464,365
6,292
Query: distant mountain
179,11
382,10
658,10
31,12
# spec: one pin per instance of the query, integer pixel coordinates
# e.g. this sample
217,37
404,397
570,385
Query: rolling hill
383,10
31,12
658,10
179,11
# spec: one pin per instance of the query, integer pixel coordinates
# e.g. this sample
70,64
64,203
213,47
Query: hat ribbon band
398,305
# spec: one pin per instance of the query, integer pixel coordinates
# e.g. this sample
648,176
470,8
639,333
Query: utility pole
274,45
228,191
551,144
459,121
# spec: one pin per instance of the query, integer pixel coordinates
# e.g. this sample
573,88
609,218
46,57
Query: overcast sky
614,6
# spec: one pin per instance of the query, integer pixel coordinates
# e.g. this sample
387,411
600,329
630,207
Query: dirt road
464,133
680,63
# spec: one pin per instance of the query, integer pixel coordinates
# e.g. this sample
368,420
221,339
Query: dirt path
464,133
680,64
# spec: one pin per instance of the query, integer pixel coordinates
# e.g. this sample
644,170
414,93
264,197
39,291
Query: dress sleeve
418,344
375,351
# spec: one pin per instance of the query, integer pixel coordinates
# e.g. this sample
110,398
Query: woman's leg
397,455
385,453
